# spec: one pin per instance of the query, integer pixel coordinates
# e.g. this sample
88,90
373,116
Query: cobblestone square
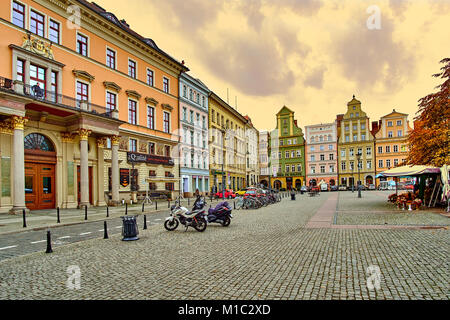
268,253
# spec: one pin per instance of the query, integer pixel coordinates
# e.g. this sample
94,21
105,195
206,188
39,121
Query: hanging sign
124,177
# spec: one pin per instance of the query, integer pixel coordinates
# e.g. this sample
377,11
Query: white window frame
170,120
25,12
88,44
146,76
168,85
154,117
137,68
45,21
117,98
115,56
60,29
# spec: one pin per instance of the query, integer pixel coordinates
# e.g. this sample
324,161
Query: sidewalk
42,219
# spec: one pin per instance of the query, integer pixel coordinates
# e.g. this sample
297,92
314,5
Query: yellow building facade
391,145
227,145
355,137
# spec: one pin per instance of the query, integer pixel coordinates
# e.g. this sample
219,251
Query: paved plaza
276,252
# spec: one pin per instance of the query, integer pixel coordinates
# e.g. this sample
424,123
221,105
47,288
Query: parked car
372,187
229,194
304,189
241,192
342,187
334,188
324,187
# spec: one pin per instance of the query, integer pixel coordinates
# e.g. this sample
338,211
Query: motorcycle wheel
171,225
201,225
226,221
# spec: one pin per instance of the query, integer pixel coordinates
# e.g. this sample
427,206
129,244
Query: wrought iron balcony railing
39,94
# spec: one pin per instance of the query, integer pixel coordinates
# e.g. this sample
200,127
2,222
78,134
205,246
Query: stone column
101,172
115,169
84,167
19,165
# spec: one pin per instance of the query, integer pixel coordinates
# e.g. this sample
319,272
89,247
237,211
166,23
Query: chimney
375,127
295,121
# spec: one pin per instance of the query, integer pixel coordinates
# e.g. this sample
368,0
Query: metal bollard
188,202
234,203
145,222
49,243
156,205
105,235
126,208
57,214
85,213
143,205
168,204
107,211
24,218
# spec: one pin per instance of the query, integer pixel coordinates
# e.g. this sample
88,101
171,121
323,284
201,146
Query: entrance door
39,186
79,185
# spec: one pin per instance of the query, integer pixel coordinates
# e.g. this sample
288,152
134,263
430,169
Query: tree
429,141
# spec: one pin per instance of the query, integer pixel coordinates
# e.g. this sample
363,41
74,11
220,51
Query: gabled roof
394,112
285,110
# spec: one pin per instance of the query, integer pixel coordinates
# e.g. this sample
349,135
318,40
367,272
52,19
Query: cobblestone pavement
377,211
264,254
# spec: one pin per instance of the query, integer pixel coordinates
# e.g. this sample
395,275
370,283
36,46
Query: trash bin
293,196
129,229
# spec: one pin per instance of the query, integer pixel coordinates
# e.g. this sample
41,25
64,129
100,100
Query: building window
347,138
322,169
352,152
380,149
331,156
166,120
313,169
170,186
343,153
389,124
151,148
380,163
287,168
20,70
54,85
363,137
111,101
369,151
203,101
132,111
395,148
18,14
355,137
111,58
388,149
399,133
390,134
150,77
299,168
399,122
292,154
37,23
82,92
132,68
369,164
82,45
363,127
395,162
343,166
166,85
150,117
167,151
53,32
133,145
299,153
331,168
204,122
322,157
313,158
388,163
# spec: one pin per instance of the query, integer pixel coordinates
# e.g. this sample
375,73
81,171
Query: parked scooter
220,214
194,218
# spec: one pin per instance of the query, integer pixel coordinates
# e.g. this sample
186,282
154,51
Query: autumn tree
429,141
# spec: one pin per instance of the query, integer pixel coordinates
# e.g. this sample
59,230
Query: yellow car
241,192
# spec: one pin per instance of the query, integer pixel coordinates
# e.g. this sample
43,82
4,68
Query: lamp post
353,178
358,156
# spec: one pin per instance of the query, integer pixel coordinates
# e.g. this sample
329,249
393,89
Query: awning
407,171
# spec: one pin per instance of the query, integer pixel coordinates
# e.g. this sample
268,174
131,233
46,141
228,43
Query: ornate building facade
287,152
194,155
355,138
321,154
263,152
252,140
82,124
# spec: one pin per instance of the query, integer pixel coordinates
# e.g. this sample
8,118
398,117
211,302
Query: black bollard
105,235
143,205
156,205
168,204
49,243
145,222
57,215
107,211
85,213
188,202
126,208
24,218
234,203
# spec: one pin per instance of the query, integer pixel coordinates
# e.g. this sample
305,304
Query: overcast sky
310,55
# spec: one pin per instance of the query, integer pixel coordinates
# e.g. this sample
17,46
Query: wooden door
40,185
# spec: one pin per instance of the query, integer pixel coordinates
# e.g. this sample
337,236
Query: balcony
44,96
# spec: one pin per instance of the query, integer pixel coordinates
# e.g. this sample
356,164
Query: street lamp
358,156
353,178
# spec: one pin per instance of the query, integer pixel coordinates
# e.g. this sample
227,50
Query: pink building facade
321,154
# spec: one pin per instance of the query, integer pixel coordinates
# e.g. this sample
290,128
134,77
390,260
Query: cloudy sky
310,55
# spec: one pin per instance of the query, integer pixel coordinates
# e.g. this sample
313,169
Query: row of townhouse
345,152
92,113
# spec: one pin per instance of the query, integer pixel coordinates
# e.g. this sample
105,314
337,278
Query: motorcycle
194,218
220,214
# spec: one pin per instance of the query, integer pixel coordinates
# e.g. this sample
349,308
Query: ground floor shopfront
366,178
231,180
315,180
192,180
287,183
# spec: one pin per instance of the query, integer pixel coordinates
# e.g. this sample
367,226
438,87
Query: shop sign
149,158
124,177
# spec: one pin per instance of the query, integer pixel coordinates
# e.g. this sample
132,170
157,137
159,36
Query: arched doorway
313,182
369,180
298,184
264,183
40,177
277,184
332,182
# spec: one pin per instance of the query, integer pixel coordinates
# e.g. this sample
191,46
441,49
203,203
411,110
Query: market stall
426,190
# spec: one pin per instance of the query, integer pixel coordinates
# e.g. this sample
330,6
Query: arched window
36,141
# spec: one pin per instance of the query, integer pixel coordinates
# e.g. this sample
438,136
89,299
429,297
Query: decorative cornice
101,142
18,122
6,128
150,100
83,74
111,86
133,94
167,106
115,140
